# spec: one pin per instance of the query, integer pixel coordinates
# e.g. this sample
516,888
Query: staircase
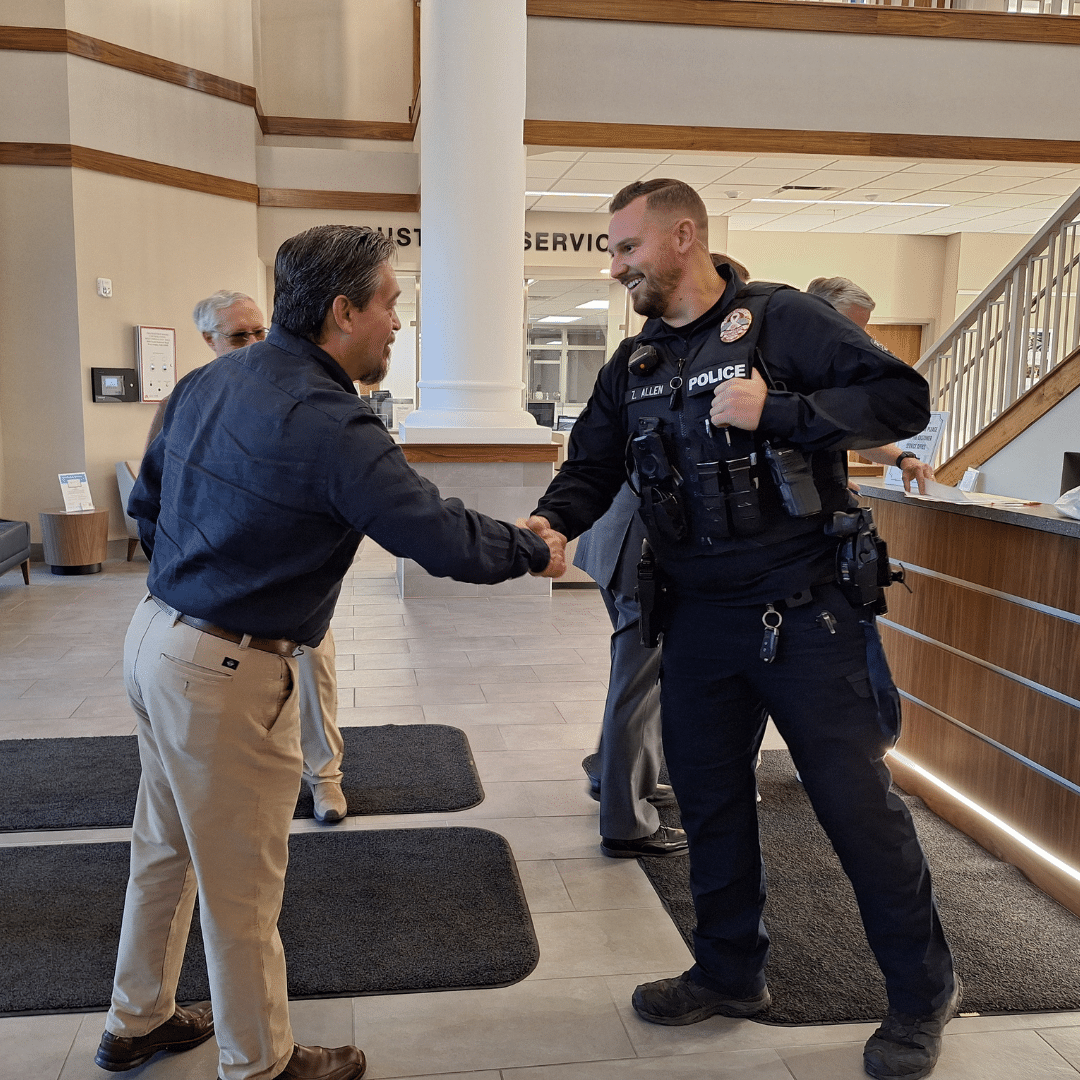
1014,353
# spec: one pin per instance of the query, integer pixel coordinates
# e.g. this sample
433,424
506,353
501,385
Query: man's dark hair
672,195
320,264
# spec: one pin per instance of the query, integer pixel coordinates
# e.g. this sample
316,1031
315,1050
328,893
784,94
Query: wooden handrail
1017,418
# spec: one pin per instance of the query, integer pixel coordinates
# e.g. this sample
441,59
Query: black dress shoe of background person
679,1001
908,1047
663,795
188,1028
663,843
323,1063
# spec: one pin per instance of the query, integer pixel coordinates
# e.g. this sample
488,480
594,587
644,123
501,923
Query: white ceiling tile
603,188
726,207
842,178
553,155
745,191
1061,186
569,205
772,178
900,181
883,194
1002,199
545,168
748,222
695,175
871,164
949,168
792,223
796,163
1016,168
981,182
705,157
604,170
643,158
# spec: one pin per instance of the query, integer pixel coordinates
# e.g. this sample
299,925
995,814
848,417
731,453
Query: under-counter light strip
1053,860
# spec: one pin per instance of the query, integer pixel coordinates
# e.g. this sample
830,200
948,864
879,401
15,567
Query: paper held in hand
923,446
76,491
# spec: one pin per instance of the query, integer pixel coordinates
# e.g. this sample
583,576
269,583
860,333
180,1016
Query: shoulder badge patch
735,325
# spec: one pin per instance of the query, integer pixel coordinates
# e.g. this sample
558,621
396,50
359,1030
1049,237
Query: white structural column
472,184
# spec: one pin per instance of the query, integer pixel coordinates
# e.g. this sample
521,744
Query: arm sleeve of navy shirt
144,502
595,466
378,493
843,391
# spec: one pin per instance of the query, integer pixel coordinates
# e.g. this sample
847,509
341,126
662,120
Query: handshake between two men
555,541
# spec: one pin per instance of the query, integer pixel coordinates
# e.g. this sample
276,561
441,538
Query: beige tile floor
525,678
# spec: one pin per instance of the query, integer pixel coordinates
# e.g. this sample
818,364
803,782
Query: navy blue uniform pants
832,699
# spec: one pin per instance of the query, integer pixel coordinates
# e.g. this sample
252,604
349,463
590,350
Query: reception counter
985,650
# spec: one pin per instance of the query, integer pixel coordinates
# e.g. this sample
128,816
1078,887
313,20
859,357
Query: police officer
734,408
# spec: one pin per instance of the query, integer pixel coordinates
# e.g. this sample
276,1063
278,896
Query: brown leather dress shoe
186,1029
321,1063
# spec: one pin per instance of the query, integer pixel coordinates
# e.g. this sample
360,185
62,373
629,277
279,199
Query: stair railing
1014,334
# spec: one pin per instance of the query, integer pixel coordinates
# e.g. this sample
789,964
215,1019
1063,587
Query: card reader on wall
114,384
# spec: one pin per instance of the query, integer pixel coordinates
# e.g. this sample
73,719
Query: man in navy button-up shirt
251,503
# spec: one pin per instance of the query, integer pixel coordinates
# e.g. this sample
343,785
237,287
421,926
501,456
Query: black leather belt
280,646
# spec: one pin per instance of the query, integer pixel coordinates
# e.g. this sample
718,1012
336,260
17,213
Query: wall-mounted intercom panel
114,384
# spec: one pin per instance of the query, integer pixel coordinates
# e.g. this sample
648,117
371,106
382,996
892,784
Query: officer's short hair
318,265
207,313
673,195
841,292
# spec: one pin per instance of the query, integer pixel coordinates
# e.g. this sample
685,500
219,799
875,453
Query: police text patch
707,380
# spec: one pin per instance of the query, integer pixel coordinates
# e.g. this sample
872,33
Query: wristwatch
906,454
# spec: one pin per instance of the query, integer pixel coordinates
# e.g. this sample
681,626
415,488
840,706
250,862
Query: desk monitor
544,411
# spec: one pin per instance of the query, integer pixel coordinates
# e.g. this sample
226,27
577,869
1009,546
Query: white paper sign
923,446
76,491
156,349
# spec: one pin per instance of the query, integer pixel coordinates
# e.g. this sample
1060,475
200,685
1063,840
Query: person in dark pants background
737,404
624,772
251,504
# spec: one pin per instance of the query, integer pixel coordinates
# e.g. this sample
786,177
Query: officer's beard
652,296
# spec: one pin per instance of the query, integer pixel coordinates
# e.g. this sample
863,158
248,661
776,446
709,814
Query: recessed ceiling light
732,194
573,194
849,202
560,318
597,304
605,271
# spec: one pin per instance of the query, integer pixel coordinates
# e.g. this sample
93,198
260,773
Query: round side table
75,541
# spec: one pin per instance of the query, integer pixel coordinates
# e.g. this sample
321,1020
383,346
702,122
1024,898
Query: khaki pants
319,734
219,739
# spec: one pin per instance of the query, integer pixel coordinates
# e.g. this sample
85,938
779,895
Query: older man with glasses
229,321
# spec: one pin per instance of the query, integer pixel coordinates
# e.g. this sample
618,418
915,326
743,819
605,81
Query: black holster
862,561
659,484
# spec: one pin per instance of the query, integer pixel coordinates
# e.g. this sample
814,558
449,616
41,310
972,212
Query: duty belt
280,646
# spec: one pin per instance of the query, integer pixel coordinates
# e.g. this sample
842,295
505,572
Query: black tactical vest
714,484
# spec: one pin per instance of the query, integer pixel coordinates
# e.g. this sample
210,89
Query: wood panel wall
994,681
